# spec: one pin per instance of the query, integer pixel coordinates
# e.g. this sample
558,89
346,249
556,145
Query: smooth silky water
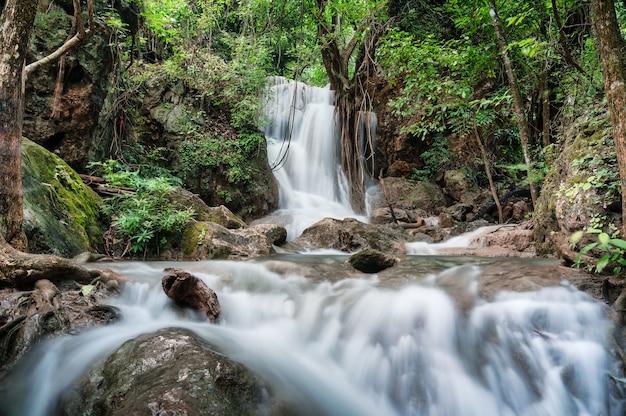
359,346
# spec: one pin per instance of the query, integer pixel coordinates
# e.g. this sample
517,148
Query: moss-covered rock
582,187
61,214
208,240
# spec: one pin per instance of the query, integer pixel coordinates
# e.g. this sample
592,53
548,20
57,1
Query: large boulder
350,235
61,214
414,195
582,187
209,240
171,372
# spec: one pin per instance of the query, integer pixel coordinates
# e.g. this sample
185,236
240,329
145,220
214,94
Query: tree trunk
16,21
352,105
518,103
610,46
492,185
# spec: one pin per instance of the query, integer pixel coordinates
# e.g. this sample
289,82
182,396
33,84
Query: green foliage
147,217
224,154
435,159
612,250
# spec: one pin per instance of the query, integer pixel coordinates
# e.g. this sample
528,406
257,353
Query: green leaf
604,238
602,262
87,289
618,242
588,247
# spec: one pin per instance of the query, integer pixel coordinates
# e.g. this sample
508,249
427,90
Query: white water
312,183
471,239
354,348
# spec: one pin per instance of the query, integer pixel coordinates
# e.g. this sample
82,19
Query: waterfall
302,135
354,347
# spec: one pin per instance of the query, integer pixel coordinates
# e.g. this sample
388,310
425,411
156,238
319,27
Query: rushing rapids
356,347
416,339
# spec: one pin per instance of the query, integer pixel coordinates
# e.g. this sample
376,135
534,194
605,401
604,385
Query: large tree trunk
16,22
518,103
610,47
353,108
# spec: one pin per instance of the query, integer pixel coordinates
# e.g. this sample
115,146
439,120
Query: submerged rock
172,372
187,290
371,261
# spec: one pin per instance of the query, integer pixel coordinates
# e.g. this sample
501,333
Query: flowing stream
416,339
360,346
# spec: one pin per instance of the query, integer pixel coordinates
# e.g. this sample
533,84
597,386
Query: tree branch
76,40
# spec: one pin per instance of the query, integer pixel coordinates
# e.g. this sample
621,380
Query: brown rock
187,290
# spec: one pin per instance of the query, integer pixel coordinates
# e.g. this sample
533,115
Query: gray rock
371,261
171,372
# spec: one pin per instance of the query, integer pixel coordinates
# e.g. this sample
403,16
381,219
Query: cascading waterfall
356,348
300,127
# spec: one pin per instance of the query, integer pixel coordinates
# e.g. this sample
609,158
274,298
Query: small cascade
354,348
302,136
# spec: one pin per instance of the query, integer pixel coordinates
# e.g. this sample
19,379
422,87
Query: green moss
62,215
193,236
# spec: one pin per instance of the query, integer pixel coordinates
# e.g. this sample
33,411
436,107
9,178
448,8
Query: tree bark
518,103
352,106
610,46
16,23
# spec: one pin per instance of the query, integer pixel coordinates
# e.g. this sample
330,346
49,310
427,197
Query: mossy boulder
208,240
61,214
582,187
410,195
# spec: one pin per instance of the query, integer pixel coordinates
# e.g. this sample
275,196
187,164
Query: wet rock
172,372
187,290
208,240
371,261
350,235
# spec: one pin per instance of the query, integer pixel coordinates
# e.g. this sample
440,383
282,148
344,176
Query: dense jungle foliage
488,87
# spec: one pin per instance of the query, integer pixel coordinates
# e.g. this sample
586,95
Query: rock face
61,214
351,235
64,99
208,240
582,186
171,372
187,290
371,261
221,164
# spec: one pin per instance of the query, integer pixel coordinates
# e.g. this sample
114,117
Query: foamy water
353,347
